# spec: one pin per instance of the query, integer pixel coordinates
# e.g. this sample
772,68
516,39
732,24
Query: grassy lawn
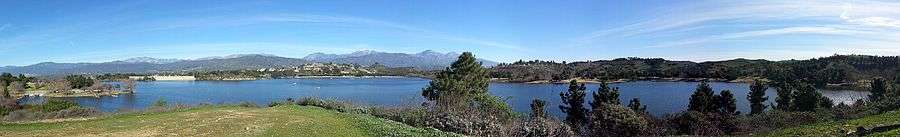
289,120
840,128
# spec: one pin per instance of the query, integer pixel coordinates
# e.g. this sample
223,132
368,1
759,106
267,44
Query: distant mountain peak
431,53
363,53
428,59
149,60
237,56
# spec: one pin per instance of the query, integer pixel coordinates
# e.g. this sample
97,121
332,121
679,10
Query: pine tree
757,97
785,97
635,104
726,103
573,105
897,78
878,89
703,99
605,95
806,98
537,108
464,84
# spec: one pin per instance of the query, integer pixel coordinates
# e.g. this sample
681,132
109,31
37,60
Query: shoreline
344,77
595,81
45,93
845,86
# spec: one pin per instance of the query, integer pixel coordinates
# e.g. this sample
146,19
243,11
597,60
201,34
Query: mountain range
426,60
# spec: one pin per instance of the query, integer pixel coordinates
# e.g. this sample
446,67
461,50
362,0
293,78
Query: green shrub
616,120
340,106
413,116
27,115
56,105
539,127
279,103
694,123
72,113
4,111
21,115
884,105
247,104
474,123
771,120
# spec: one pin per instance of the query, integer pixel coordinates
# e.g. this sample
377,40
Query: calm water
660,97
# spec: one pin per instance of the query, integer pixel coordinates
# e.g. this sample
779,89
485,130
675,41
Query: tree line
819,72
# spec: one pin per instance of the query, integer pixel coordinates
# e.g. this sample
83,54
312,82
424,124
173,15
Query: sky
34,31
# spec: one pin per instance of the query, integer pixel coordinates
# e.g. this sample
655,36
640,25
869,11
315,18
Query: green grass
286,120
839,128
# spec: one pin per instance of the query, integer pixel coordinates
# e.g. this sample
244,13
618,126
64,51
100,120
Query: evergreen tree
79,81
24,78
537,108
7,78
785,97
726,103
460,83
703,99
897,78
825,102
635,104
757,97
878,89
605,95
573,105
806,98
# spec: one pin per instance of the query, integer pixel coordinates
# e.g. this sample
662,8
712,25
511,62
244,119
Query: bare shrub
539,127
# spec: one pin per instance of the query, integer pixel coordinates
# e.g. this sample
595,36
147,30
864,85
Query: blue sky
98,31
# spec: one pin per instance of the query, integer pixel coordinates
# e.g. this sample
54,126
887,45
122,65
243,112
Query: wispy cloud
761,33
699,24
324,20
4,26
200,50
114,28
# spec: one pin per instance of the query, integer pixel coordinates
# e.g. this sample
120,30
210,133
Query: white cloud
761,33
200,50
878,22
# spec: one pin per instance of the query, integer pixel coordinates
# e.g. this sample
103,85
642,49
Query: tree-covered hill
821,71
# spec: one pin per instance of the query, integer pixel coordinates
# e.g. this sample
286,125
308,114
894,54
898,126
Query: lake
660,97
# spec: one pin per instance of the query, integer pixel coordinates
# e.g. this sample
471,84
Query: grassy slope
834,128
226,121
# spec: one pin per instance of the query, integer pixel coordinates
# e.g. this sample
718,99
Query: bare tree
130,85
17,87
96,87
3,89
60,86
